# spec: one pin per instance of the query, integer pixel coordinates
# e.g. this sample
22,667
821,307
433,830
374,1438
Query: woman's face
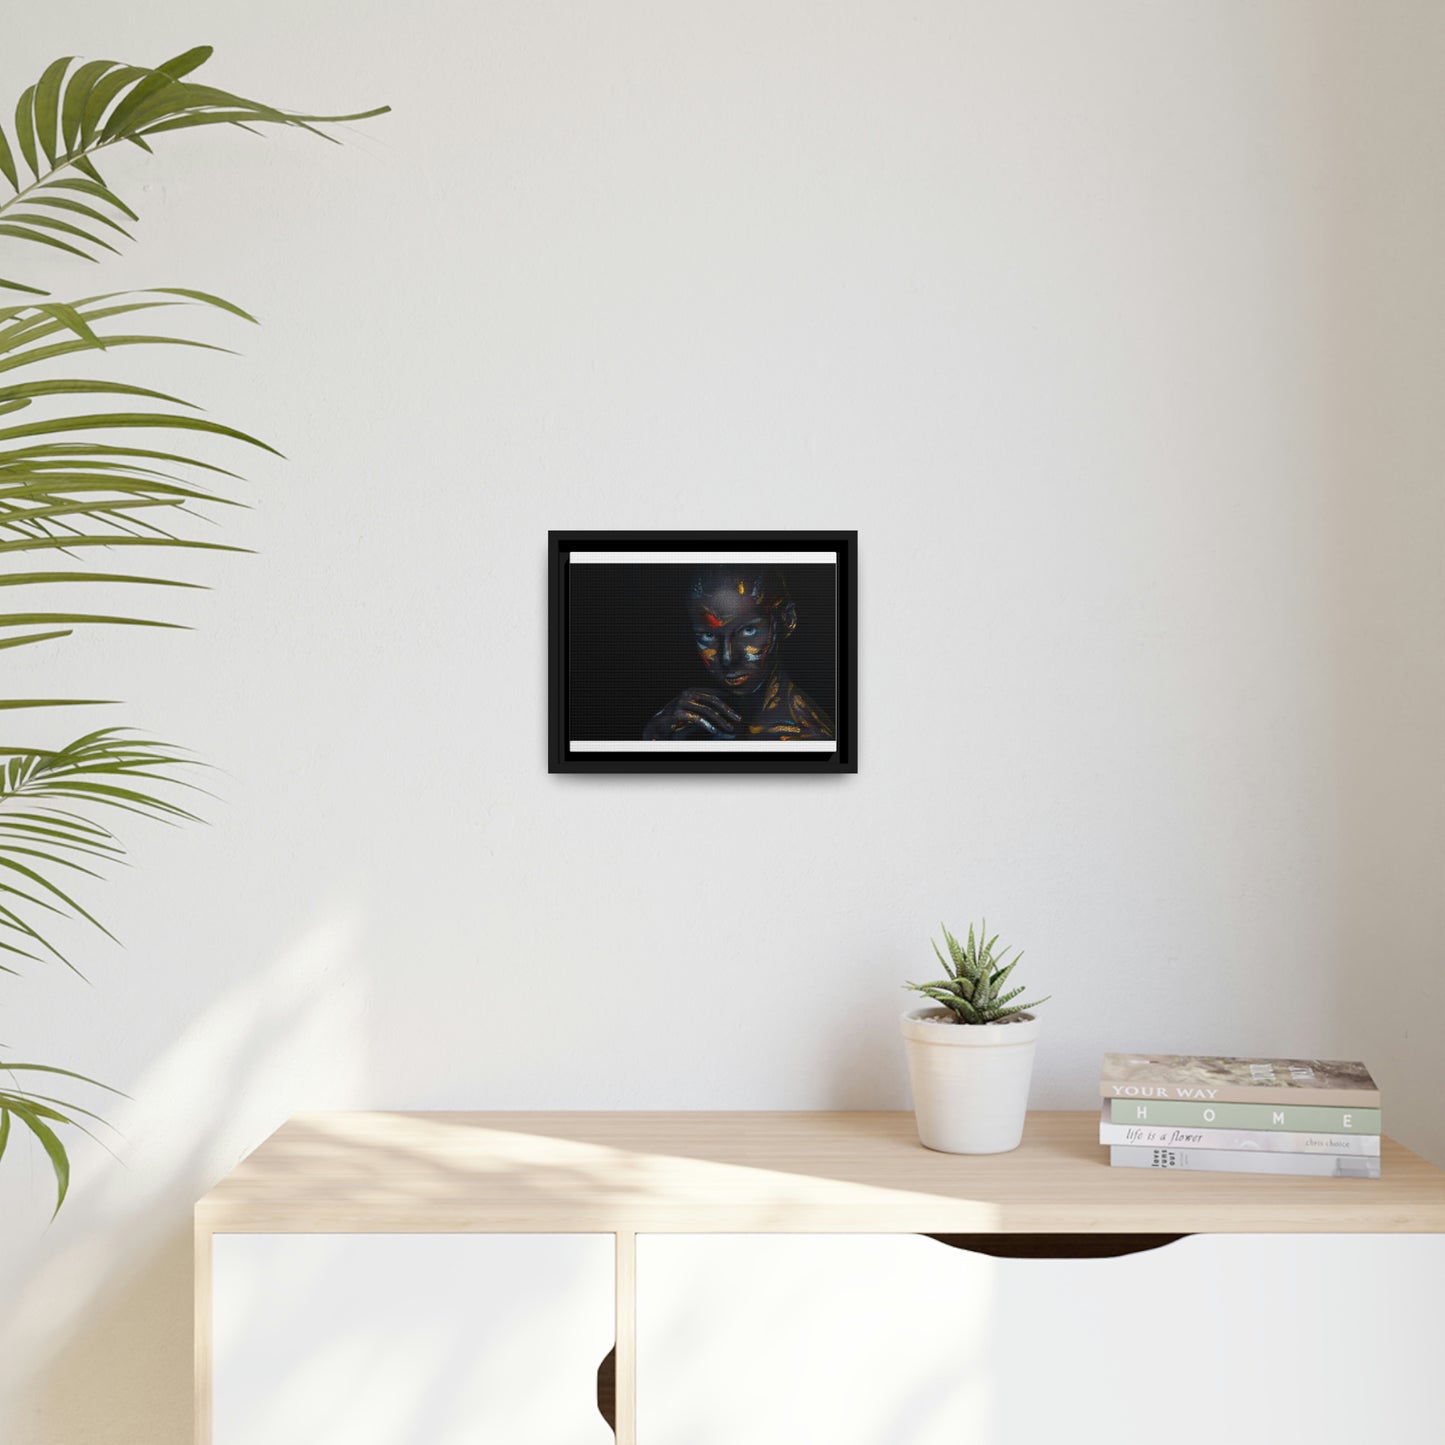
736,634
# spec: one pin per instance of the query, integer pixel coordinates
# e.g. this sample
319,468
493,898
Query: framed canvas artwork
703,652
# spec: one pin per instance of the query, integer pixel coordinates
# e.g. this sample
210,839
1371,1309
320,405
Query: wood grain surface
640,1172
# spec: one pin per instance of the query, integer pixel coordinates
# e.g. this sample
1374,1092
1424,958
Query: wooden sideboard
570,1203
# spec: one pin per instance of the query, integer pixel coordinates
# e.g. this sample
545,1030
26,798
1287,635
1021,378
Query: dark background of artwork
630,647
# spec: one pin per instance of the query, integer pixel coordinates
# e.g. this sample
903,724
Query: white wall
1114,329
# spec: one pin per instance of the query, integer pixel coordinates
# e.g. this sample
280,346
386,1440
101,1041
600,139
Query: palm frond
62,490
40,829
74,111
40,1113
78,475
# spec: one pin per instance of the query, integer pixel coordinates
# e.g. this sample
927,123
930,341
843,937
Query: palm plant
974,988
76,484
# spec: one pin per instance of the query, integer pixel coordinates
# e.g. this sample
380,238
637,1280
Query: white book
1239,1161
1266,1141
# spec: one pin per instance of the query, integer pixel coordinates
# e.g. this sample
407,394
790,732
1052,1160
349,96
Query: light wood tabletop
788,1172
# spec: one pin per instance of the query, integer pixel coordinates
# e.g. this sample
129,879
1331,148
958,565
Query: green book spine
1303,1117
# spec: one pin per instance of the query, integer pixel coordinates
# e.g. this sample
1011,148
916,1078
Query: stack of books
1241,1116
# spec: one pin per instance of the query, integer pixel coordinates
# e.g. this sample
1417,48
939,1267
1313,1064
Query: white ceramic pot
970,1081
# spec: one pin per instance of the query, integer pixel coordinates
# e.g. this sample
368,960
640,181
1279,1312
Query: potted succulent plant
970,1058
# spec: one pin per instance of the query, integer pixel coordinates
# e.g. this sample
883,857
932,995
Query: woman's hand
695,713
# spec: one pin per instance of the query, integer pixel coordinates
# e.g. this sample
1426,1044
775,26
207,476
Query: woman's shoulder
807,716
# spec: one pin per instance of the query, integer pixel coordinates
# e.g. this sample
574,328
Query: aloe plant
75,481
974,988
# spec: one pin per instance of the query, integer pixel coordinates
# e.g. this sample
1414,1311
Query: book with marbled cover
1208,1078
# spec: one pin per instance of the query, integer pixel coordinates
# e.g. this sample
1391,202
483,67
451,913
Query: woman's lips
735,679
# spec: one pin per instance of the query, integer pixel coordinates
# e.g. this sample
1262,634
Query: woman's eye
751,631
705,639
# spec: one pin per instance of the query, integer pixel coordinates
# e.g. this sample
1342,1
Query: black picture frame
562,757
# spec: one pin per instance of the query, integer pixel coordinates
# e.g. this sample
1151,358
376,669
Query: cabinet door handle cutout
1056,1246
607,1389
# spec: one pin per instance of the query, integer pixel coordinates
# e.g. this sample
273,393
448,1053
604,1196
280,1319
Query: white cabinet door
900,1340
410,1339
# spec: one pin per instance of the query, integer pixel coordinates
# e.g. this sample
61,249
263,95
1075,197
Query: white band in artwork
667,745
706,559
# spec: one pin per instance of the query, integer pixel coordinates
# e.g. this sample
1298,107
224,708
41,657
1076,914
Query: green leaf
47,107
14,704
960,959
61,836
54,223
25,579
7,161
187,61
1023,1007
121,513
4,1122
205,298
20,286
128,800
188,97
30,322
21,233
35,459
948,967
127,301
118,420
102,93
67,348
9,1068
50,1109
14,921
77,619
25,129
79,386
237,118
33,637
156,88
48,857
16,924
29,1094
50,1142
93,188
64,493
71,824
77,91
79,208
